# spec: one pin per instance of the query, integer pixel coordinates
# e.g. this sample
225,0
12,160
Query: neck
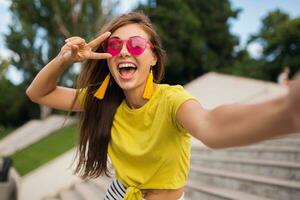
134,98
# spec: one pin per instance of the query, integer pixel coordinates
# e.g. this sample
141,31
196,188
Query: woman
143,126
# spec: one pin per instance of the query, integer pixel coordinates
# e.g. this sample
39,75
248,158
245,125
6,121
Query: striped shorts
117,190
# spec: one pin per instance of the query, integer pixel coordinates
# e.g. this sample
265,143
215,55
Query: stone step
279,153
51,198
195,189
84,190
97,189
276,169
87,191
292,136
69,194
268,187
102,182
291,142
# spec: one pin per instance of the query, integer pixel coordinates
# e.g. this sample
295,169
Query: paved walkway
49,179
32,132
53,176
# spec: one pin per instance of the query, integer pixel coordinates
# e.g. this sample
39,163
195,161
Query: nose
124,51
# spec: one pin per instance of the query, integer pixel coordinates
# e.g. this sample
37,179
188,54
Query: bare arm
236,125
44,89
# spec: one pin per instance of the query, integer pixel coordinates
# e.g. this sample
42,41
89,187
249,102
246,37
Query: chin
126,86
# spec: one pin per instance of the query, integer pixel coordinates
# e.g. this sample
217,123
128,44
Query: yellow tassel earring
149,88
99,94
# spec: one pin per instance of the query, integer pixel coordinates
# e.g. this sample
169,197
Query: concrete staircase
93,189
264,171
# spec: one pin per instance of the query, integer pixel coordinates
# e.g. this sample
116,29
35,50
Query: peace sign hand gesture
77,50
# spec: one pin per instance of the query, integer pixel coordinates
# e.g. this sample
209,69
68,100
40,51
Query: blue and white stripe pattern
116,191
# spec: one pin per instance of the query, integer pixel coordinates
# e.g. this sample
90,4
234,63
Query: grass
45,150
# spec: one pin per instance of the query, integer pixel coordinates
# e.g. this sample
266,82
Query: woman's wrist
287,115
63,62
293,117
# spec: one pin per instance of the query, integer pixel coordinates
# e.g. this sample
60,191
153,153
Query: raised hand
77,50
294,101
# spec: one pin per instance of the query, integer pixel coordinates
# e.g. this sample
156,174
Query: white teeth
123,65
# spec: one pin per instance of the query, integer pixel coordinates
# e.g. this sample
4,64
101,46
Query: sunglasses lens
136,45
114,46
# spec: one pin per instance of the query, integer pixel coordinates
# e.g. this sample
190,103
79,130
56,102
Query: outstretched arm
236,125
44,89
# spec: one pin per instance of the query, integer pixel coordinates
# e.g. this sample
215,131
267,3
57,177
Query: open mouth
127,70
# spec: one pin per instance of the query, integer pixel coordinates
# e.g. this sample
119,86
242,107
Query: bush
15,107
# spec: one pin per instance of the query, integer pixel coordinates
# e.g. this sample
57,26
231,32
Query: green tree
40,27
245,65
4,64
195,35
38,31
14,105
280,39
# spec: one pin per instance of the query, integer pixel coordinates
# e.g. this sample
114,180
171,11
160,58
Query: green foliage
39,29
37,32
14,105
4,131
45,150
246,66
3,68
195,35
280,38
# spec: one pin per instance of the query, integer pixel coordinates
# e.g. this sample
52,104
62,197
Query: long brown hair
97,119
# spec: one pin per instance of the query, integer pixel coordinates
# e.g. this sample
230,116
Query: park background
198,36
250,38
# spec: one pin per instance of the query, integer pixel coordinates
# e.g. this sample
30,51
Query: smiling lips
127,70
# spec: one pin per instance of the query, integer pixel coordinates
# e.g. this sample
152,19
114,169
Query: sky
247,23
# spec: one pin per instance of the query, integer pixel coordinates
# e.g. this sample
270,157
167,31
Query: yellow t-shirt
148,148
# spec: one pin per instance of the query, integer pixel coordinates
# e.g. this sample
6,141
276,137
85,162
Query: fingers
75,41
74,38
80,50
74,49
74,44
94,55
96,42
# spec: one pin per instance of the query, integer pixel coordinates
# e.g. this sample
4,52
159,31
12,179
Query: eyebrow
116,37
